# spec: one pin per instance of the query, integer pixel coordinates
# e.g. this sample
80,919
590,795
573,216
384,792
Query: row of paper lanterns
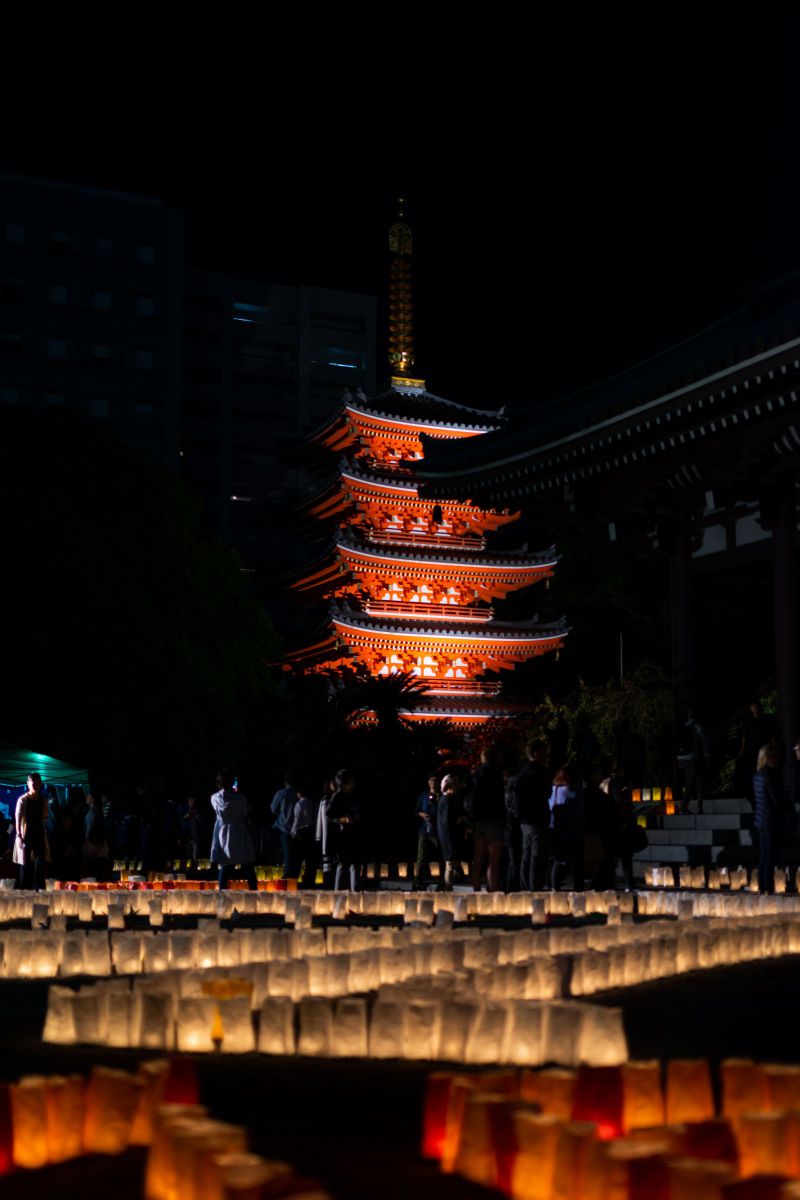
610,955
301,907
736,879
395,1024
620,1132
50,1119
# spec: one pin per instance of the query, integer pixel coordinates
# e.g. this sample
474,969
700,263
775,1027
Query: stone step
711,821
728,805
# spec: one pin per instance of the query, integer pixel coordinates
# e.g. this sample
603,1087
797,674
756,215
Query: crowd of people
528,825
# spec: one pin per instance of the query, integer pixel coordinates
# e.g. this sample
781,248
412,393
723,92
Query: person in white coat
232,842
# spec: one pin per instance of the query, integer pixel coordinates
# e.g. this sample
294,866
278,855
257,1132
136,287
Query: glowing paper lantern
195,1022
59,1026
713,1140
64,1105
195,1144
764,1144
486,1144
487,1038
434,1120
578,1160
237,1025
525,1034
350,1028
459,1018
552,1090
126,953
249,1177
86,1012
155,954
643,1099
783,1086
276,1026
689,1095
532,1172
112,1100
153,1075
29,1118
166,1119
744,1087
422,1028
387,1030
316,1026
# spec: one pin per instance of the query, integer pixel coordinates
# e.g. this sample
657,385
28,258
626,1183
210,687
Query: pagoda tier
395,578
388,429
447,657
388,500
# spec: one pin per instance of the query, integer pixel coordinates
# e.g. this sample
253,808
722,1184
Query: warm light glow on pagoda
411,580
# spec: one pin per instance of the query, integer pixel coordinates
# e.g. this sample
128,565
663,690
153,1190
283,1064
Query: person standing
768,804
343,822
527,794
232,842
427,842
487,809
567,829
302,834
282,807
30,825
692,762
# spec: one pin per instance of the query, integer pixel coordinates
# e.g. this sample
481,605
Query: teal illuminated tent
16,765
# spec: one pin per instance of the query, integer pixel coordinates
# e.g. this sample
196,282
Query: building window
101,351
58,293
10,343
56,348
103,247
59,239
146,253
53,399
102,301
143,360
9,395
142,411
145,306
99,407
15,234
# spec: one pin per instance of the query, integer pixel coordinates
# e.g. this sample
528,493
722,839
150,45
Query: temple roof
477,708
349,538
714,357
412,407
490,631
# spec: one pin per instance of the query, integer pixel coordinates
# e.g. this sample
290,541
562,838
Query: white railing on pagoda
425,610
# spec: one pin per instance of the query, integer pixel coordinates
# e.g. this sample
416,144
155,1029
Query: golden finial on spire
401,313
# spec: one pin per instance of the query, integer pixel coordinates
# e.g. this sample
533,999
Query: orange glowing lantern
534,1165
744,1087
764,1146
112,1100
579,1163
194,1146
643,1098
250,1177
783,1085
636,795
29,1116
599,1097
64,1102
166,1118
154,1077
689,1095
476,1156
434,1122
553,1090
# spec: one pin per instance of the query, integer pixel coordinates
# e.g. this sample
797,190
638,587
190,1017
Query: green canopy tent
17,764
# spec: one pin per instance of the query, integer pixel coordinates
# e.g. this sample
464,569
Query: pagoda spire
401,306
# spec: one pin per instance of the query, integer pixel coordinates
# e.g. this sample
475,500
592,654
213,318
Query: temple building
412,583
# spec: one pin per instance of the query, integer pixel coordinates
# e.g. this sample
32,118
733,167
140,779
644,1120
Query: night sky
583,190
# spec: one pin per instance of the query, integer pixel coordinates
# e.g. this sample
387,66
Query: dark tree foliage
130,644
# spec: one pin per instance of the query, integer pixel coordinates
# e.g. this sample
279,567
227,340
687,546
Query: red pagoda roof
351,543
503,632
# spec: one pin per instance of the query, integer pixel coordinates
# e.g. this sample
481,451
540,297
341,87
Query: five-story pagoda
410,581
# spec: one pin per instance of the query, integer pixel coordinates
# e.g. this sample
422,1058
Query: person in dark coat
486,807
768,806
427,843
343,823
527,798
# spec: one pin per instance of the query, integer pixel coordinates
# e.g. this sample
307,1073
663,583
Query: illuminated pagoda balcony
422,537
441,612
